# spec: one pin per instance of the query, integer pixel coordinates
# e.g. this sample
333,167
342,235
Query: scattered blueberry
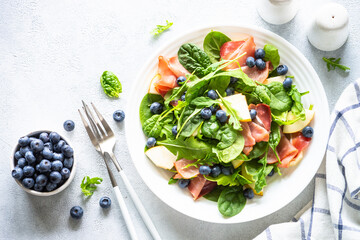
17,173
206,113
151,142
23,150
287,83
67,151
253,114
24,141
212,94
50,186
156,108
205,170
282,69
174,130
271,173
58,156
30,158
69,125
18,155
215,171
260,64
259,53
68,162
248,193
44,165
221,116
38,188
182,98
49,145
59,146
233,80
21,162
250,62
119,115
229,91
44,137
183,183
180,80
65,173
28,182
55,177
56,165
28,171
105,202
37,145
54,137
41,180
47,153
76,212
214,108
308,132
227,170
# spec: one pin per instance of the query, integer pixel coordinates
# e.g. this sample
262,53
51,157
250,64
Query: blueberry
67,151
227,170
58,156
260,64
45,165
18,155
282,69
28,171
44,137
174,130
215,171
57,147
308,132
65,173
287,83
119,115
156,108
41,180
23,150
68,162
206,113
250,62
105,202
37,145
76,212
182,98
253,114
55,177
230,91
259,53
21,162
49,145
17,173
183,183
47,153
32,139
205,170
30,158
214,108
221,116
24,141
271,173
56,165
151,142
37,167
212,94
50,186
28,182
233,80
248,193
38,188
69,125
54,137
180,80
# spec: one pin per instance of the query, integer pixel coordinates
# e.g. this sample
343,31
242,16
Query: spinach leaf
231,201
188,148
244,84
144,110
219,83
193,59
272,55
203,102
212,44
274,138
258,150
209,160
110,84
210,127
228,154
214,194
274,95
189,121
152,126
226,135
234,119
297,108
196,88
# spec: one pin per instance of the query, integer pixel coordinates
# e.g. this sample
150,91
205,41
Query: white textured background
52,54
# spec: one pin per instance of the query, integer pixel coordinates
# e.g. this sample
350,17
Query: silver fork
103,139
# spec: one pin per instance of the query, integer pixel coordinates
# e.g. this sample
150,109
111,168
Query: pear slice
298,125
298,158
161,157
152,84
237,163
238,102
274,79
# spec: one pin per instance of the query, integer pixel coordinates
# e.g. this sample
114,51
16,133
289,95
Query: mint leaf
332,63
161,28
89,187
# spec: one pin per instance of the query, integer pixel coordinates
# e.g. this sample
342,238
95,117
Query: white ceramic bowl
45,194
281,189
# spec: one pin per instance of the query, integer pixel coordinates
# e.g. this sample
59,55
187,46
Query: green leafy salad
224,118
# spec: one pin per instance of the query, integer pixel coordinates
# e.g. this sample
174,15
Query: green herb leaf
210,127
152,126
297,108
274,138
234,119
231,201
172,181
332,63
203,102
144,110
223,180
189,121
228,154
110,84
274,95
193,59
212,44
89,187
272,55
226,135
214,194
161,28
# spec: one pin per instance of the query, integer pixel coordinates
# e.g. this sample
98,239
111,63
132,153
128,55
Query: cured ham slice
167,79
196,185
299,141
176,67
259,133
246,132
177,176
271,157
256,74
286,151
186,173
233,49
247,150
208,187
263,115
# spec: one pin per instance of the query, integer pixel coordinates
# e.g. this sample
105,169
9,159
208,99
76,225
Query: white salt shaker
330,28
277,11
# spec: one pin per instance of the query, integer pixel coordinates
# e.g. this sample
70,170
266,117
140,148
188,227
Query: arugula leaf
272,55
189,121
297,108
234,119
89,187
193,59
281,119
332,63
110,84
212,44
144,110
161,28
274,95
172,180
274,138
223,180
231,201
228,154
214,194
203,102
219,83
258,150
244,84
196,88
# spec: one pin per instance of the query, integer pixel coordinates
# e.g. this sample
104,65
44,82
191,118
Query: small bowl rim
58,190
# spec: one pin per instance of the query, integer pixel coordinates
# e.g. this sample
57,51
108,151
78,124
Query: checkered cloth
334,212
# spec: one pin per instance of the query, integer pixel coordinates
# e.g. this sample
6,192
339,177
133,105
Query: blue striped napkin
334,212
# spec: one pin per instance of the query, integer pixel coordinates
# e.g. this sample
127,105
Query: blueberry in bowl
43,163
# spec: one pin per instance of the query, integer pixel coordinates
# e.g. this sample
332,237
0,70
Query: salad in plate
224,118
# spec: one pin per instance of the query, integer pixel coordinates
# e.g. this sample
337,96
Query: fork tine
103,121
88,130
90,118
99,127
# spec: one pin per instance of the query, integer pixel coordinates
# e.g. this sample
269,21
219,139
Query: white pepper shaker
330,28
277,11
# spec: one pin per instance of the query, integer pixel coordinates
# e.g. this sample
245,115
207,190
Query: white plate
281,189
